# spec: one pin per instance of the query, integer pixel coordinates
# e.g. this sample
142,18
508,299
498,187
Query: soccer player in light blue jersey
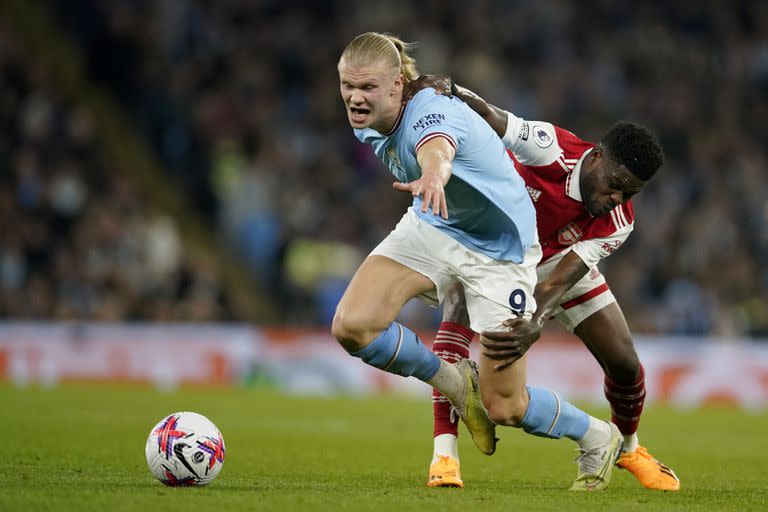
472,221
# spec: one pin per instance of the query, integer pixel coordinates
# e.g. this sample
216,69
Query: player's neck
388,120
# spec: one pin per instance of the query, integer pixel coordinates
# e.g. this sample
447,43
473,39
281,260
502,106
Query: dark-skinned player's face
606,184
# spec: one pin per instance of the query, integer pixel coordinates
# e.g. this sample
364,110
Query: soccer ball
185,448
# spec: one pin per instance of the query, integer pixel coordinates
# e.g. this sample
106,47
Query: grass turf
82,448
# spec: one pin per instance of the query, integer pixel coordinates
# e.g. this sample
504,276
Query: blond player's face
371,93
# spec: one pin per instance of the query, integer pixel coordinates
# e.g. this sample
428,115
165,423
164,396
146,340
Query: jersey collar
397,122
572,188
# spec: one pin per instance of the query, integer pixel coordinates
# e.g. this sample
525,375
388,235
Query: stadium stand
239,100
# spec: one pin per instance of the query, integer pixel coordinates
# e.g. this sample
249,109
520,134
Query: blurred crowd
240,100
76,239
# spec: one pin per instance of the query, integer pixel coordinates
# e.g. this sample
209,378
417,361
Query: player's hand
508,346
441,84
431,188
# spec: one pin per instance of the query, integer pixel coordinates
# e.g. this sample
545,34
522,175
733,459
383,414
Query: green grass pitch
82,448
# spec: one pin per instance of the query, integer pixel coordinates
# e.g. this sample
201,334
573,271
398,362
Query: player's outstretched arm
434,157
509,345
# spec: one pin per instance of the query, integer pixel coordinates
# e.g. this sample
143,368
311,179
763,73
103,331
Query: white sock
448,381
597,433
631,442
446,444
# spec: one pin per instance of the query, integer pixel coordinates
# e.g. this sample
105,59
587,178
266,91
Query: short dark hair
635,147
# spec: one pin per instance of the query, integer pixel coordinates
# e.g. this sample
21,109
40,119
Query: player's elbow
497,121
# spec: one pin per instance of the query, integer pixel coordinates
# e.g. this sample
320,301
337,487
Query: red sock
626,403
451,344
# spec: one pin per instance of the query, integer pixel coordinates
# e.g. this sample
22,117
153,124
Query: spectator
240,93
76,240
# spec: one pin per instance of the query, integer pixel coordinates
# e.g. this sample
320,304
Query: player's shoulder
539,143
570,143
429,113
620,219
427,108
428,98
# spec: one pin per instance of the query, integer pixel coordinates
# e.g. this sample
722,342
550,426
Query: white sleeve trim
512,135
595,249
532,142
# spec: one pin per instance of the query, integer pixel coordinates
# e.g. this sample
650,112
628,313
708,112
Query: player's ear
397,88
596,154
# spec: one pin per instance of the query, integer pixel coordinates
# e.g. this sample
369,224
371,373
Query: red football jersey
549,159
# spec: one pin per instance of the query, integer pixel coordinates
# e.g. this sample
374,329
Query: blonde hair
373,47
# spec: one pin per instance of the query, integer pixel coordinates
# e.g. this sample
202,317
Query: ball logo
185,448
569,234
541,136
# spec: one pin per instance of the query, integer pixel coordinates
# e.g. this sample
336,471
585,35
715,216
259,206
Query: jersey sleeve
532,142
436,116
592,250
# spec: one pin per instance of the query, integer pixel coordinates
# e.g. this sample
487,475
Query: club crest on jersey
395,166
569,234
541,136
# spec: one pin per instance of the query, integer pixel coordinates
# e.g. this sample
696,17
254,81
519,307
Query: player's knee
624,369
507,410
352,330
346,332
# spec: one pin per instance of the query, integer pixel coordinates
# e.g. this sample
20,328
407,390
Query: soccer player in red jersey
582,195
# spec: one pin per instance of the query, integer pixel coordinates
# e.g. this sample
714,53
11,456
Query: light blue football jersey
489,209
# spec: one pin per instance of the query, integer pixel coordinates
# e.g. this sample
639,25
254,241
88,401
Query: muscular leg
364,325
606,335
505,393
378,291
509,402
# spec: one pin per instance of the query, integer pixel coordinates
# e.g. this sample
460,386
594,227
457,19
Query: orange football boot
445,473
651,473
